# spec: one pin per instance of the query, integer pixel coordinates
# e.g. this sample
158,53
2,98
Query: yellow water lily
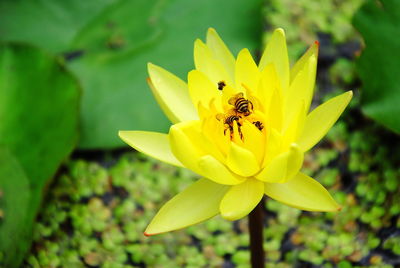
244,128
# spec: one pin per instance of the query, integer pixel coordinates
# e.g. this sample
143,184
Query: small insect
242,105
258,125
229,122
221,85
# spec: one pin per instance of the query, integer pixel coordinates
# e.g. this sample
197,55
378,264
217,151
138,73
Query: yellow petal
254,140
267,85
275,110
276,53
302,192
301,89
241,199
201,89
214,131
242,161
183,147
294,127
189,143
212,68
283,167
321,119
200,137
172,94
311,52
197,203
246,71
214,170
220,51
273,145
151,143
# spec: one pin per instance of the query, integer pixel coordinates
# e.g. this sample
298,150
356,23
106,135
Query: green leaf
379,64
48,24
113,74
39,104
15,226
112,51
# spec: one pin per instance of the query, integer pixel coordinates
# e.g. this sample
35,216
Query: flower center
237,112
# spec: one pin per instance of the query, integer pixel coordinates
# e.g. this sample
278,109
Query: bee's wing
232,100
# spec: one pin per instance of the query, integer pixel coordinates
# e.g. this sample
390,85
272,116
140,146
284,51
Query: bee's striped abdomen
242,105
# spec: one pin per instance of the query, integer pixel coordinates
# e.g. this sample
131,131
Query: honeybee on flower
242,105
265,109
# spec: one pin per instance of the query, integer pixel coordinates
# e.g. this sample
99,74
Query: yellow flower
244,128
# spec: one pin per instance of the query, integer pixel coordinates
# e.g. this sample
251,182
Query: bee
221,85
229,121
258,125
242,105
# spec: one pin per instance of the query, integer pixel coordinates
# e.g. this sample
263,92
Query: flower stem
256,224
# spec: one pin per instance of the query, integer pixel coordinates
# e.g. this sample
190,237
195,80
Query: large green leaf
115,46
379,64
39,103
48,24
113,73
15,226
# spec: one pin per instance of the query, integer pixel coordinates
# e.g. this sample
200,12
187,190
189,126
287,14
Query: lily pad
15,227
47,24
379,65
39,105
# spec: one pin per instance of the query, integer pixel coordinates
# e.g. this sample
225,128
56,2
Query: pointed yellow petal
151,143
321,119
183,147
220,51
311,52
212,68
273,145
283,167
241,199
214,170
275,110
214,131
242,161
172,94
201,89
267,85
295,126
254,140
301,89
302,192
197,203
276,53
189,144
246,71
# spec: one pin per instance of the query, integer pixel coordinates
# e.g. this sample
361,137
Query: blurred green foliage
304,20
39,103
379,64
108,43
